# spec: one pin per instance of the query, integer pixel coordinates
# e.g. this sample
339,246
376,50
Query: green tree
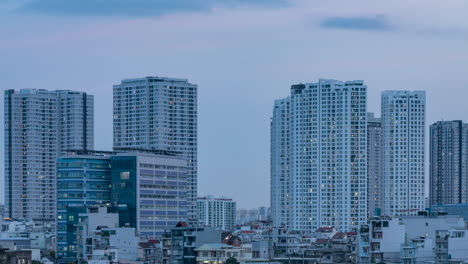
232,260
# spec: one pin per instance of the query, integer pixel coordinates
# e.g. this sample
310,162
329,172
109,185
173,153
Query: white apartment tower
39,126
403,130
159,113
374,164
217,212
280,158
326,159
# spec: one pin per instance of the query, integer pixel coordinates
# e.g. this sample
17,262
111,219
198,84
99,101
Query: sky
243,54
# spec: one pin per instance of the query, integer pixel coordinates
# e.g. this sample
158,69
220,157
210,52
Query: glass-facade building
150,191
147,189
82,180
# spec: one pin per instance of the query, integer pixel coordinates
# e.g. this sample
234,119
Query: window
124,175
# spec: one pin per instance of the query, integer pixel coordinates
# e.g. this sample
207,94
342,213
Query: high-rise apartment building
217,212
39,126
403,130
159,113
280,184
448,162
374,164
326,164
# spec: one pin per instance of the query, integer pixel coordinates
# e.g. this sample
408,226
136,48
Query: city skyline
235,99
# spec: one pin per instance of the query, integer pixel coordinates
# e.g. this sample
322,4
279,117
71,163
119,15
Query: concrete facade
159,113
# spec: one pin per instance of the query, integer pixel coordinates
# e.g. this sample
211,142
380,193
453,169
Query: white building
280,181
100,238
321,177
407,238
403,126
39,126
217,212
159,113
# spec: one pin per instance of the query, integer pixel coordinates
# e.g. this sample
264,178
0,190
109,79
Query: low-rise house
180,243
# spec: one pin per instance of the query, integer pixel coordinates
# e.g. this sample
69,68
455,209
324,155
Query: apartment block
39,126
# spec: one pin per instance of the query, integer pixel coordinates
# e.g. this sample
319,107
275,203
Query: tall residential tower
322,175
374,164
159,113
39,126
449,162
403,131
280,168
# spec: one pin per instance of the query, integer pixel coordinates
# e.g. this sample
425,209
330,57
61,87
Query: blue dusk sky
243,54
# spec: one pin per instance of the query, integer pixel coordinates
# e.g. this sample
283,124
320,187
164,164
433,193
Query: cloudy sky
243,54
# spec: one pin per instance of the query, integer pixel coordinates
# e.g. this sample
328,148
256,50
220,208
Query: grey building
159,113
448,162
374,164
403,132
319,156
39,126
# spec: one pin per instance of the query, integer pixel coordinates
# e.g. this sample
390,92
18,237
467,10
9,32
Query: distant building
374,164
217,212
245,216
39,126
403,130
448,162
159,113
319,156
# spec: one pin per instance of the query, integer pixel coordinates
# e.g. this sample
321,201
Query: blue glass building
147,189
82,180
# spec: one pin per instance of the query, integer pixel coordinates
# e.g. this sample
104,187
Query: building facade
374,164
403,130
281,203
149,191
82,181
159,113
327,160
448,163
180,242
39,126
217,212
